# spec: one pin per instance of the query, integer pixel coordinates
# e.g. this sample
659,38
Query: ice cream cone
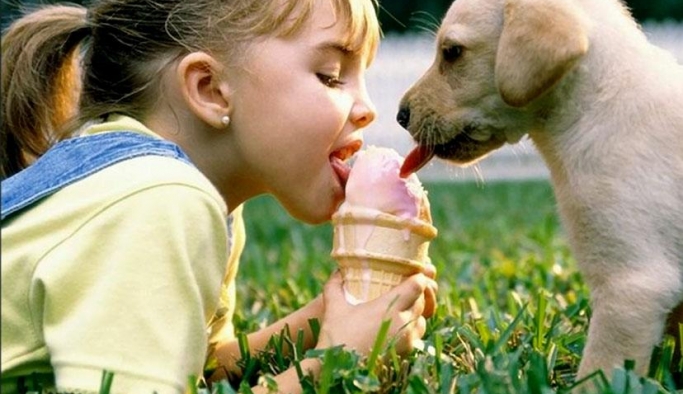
377,251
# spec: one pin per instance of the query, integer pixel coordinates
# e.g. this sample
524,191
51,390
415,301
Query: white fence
400,62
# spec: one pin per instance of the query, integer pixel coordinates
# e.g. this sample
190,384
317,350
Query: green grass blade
378,346
505,336
106,382
539,320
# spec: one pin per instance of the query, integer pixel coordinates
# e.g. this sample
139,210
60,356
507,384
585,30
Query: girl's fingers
430,300
410,332
407,293
429,270
420,327
418,307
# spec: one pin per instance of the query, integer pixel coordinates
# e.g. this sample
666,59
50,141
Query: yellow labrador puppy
605,109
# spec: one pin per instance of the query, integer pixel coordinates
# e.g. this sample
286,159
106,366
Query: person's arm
228,353
353,326
288,381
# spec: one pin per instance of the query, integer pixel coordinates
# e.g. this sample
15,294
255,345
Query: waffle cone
375,252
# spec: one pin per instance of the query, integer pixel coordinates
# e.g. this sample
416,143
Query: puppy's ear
541,41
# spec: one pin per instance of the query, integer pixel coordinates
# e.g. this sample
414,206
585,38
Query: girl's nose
363,111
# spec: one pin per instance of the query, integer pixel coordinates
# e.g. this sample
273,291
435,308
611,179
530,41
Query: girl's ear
203,89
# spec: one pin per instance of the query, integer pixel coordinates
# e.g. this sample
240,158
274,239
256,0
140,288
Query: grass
512,315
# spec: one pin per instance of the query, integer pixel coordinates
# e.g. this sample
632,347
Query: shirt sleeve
131,292
221,328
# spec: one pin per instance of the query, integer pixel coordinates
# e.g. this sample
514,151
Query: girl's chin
313,212
314,218
324,215
338,199
316,208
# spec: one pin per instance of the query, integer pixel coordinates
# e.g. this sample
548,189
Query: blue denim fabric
76,158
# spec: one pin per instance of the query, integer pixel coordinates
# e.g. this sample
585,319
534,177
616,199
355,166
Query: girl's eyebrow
334,46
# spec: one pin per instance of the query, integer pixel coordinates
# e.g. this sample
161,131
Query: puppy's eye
451,53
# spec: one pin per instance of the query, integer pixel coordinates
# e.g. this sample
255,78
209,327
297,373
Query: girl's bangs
362,26
359,17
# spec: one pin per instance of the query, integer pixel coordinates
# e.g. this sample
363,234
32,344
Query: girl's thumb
335,285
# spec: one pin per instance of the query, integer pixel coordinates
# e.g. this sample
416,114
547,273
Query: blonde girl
132,133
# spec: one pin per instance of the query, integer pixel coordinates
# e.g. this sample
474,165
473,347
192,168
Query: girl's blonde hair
64,65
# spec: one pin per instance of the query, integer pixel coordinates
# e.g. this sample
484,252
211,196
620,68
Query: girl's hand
430,292
356,326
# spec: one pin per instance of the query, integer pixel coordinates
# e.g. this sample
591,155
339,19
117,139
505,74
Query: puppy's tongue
416,159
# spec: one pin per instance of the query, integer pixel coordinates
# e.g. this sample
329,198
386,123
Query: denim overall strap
76,158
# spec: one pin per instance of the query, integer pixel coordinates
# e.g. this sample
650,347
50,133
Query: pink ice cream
374,184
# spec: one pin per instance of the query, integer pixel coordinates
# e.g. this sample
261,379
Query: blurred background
406,52
407,15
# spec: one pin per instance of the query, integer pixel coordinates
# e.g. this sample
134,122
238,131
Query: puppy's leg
630,310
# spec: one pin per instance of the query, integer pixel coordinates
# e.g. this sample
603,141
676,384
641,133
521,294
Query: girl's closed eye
331,81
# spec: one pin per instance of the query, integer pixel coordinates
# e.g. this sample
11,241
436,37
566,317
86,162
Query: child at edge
120,243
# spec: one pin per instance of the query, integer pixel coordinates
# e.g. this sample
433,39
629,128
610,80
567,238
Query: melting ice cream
383,228
374,184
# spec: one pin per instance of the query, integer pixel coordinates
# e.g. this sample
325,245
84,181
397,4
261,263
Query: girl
115,241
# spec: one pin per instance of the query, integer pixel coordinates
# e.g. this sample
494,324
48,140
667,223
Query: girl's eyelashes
330,81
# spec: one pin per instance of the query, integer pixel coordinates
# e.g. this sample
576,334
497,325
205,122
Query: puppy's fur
605,110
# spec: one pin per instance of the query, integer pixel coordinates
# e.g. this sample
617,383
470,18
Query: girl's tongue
339,160
341,169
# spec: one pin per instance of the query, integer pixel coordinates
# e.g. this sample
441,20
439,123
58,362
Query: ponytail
40,82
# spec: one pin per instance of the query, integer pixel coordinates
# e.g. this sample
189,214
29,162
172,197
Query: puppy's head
495,61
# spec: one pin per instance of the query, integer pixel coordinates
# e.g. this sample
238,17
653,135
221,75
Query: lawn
513,310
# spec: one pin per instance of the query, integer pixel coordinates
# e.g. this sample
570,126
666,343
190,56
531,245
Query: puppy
605,110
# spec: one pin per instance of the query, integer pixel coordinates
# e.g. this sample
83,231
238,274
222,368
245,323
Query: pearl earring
225,120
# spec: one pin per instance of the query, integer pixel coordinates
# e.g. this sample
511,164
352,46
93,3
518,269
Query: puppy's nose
403,116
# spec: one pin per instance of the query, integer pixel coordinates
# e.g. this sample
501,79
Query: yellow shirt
121,271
